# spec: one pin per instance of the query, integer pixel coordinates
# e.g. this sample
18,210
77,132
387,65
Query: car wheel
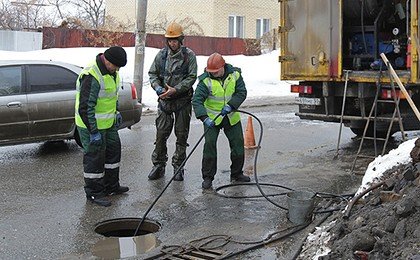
77,138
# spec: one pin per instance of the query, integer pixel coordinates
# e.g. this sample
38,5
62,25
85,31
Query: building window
236,26
263,26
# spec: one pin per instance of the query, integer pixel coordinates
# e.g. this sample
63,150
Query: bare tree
92,11
18,15
161,22
59,5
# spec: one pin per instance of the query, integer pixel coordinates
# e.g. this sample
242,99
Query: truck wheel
77,138
369,133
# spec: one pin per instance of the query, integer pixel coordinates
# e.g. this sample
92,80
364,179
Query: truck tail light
301,89
133,91
388,94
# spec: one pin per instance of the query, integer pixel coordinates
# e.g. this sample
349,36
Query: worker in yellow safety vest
220,91
97,120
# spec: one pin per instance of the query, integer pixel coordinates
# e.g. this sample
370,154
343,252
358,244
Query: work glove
159,90
96,139
118,119
226,110
208,122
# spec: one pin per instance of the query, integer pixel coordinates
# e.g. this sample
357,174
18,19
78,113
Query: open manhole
120,241
125,227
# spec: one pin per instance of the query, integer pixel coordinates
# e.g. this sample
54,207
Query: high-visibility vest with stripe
106,107
220,95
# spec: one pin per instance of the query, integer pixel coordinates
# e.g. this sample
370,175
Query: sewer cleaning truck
332,48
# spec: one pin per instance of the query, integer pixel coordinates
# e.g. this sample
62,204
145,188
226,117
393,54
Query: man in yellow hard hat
172,75
220,90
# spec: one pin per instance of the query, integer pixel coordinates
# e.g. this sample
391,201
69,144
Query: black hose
170,181
256,159
266,196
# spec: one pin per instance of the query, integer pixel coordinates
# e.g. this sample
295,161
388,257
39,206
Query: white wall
20,41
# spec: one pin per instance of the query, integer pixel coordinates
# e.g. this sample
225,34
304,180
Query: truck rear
324,43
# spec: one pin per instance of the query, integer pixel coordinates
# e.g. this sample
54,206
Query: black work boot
102,201
180,175
157,172
119,190
207,184
239,178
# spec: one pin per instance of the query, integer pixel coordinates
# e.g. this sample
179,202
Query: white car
37,101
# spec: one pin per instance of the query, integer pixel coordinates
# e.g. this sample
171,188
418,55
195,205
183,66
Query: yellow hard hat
174,30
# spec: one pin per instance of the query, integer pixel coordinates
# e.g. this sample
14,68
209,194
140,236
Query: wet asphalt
44,213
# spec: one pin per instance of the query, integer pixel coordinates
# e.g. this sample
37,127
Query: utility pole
140,46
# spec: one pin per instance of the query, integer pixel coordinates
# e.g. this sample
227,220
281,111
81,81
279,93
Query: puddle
122,247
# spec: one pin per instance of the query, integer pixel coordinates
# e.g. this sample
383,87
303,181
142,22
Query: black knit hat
116,55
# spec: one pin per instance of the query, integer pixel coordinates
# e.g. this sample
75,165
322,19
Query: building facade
216,18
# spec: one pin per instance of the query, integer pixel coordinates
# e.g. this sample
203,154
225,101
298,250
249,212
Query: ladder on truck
396,117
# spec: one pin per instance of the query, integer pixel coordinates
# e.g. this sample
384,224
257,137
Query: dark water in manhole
120,241
125,227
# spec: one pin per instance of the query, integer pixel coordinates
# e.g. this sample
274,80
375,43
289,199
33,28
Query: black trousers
101,164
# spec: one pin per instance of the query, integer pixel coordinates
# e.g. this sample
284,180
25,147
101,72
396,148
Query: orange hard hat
174,30
215,62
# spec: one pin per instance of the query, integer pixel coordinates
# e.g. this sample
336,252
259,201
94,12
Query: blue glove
226,110
118,119
159,90
208,122
96,139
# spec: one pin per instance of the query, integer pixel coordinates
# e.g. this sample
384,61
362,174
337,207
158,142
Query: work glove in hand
226,110
96,139
208,122
159,90
118,119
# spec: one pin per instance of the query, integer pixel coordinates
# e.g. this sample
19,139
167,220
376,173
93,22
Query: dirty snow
376,168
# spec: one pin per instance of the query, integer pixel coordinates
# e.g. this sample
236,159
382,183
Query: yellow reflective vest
220,94
105,108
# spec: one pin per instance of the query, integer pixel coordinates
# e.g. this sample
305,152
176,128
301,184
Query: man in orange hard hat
220,90
172,75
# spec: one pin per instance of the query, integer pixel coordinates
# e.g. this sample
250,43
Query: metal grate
190,255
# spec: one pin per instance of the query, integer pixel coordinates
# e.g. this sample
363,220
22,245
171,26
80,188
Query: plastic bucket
300,206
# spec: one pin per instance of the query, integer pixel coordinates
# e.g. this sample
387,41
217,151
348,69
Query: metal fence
66,38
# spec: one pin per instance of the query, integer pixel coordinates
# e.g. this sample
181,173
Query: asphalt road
44,213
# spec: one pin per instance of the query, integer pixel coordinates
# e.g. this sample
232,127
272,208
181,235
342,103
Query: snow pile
395,157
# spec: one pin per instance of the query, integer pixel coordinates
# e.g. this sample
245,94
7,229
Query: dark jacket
178,70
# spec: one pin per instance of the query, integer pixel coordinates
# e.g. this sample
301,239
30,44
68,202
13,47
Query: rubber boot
157,172
239,178
101,201
180,175
119,190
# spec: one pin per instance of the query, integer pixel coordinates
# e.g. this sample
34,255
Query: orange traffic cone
249,140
